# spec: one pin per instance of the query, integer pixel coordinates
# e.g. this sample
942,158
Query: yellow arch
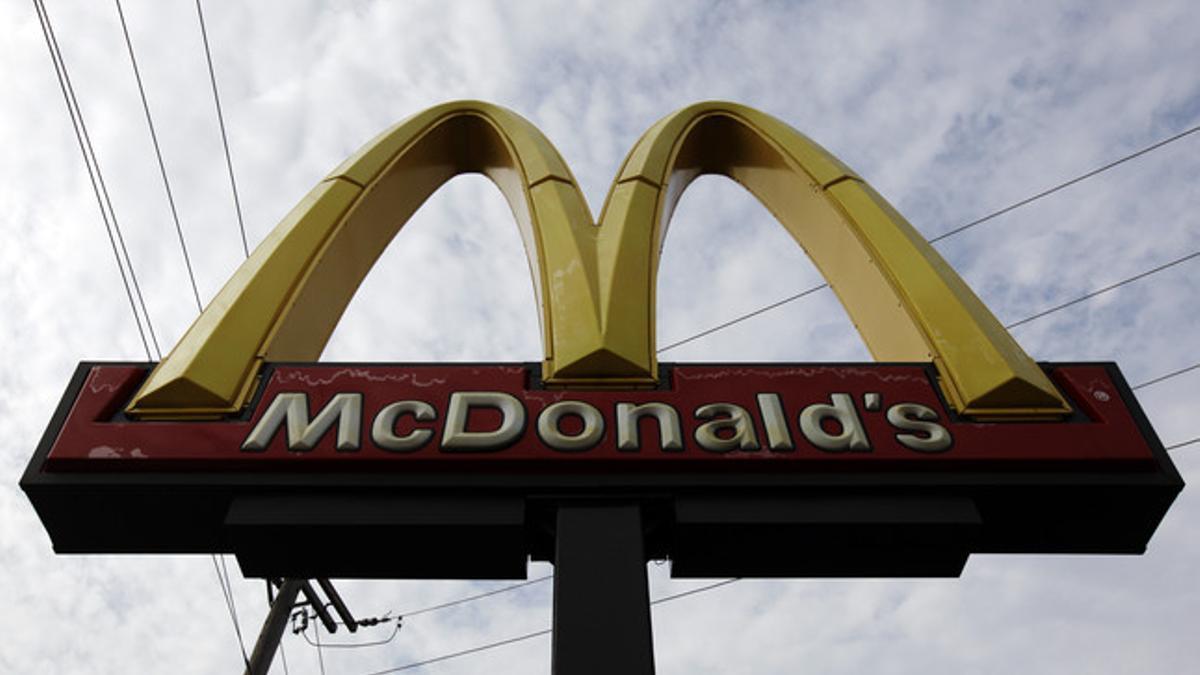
906,301
285,300
595,285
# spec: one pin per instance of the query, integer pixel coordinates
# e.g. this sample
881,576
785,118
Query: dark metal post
601,599
314,601
339,605
272,630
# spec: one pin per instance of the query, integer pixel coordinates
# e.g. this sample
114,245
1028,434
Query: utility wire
92,164
227,591
948,234
743,317
1163,378
478,596
350,645
228,586
162,168
1020,322
538,633
1111,287
1182,444
320,652
693,591
465,652
116,242
81,135
466,599
1066,184
212,78
513,587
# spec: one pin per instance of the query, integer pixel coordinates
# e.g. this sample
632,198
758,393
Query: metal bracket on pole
314,601
281,608
339,605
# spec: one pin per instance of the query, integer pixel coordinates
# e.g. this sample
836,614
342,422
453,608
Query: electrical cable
478,596
350,645
320,652
948,234
465,652
1099,291
693,591
1182,444
539,633
1020,322
81,135
466,599
212,78
162,168
668,598
1163,378
743,317
117,243
228,593
96,177
1066,184
228,585
702,589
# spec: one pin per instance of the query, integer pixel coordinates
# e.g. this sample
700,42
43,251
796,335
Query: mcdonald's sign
955,441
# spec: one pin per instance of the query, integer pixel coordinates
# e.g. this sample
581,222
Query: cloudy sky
951,110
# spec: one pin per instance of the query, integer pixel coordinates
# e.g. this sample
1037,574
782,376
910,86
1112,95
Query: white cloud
951,111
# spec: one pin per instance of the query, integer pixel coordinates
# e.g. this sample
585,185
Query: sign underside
739,469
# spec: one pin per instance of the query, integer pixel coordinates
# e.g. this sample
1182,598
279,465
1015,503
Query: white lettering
852,435
917,417
302,436
736,420
779,438
383,429
456,438
550,433
628,436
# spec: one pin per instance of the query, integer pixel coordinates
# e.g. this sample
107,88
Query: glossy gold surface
595,284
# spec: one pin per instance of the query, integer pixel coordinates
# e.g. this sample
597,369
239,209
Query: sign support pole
601,598
273,625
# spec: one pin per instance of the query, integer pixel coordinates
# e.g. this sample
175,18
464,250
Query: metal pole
314,600
272,630
601,599
339,605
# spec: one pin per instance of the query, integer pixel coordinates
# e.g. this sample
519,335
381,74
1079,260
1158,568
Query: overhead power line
117,242
162,168
477,596
212,78
96,177
1111,287
675,596
1184,443
1164,378
1020,322
350,645
538,633
227,592
946,235
548,577
1066,184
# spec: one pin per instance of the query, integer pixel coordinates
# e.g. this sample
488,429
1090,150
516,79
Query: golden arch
595,284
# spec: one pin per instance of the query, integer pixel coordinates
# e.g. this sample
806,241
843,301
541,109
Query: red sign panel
727,417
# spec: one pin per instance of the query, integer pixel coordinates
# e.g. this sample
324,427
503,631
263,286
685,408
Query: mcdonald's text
772,416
